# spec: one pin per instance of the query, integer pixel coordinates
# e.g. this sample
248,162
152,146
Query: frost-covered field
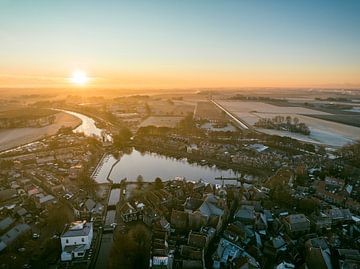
260,107
158,121
10,138
322,131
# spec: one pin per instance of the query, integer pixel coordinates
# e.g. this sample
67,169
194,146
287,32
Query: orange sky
186,44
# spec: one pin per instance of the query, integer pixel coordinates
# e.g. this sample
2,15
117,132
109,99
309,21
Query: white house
76,239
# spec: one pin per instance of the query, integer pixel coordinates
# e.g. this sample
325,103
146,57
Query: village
192,224
284,203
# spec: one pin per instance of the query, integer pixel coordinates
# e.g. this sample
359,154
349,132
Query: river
87,126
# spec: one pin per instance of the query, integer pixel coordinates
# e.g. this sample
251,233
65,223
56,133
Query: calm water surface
87,126
152,165
114,197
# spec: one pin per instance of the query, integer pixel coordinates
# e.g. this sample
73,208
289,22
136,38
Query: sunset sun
79,77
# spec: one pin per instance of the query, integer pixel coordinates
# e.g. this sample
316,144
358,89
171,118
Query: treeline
351,154
27,117
254,98
284,124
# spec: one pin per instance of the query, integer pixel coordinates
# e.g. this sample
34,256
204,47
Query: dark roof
193,203
89,204
2,245
5,223
14,233
7,194
209,209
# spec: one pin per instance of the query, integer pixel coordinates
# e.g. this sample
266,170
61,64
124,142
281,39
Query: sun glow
79,77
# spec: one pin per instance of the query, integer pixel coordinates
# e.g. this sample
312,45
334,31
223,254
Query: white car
35,236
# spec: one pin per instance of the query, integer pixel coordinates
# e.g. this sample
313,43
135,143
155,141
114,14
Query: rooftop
12,234
5,223
77,228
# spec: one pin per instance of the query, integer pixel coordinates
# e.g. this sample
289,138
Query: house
161,262
162,225
246,214
209,232
2,246
76,239
45,159
6,223
8,195
197,220
238,231
296,224
14,233
189,253
258,147
75,171
20,211
128,212
275,247
98,209
33,191
192,204
42,200
149,216
320,222
334,184
318,254
179,219
214,213
348,258
229,253
89,205
198,240
339,215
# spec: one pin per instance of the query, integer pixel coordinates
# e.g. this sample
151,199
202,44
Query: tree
321,150
135,252
288,120
140,182
158,184
308,205
122,138
87,182
58,217
296,120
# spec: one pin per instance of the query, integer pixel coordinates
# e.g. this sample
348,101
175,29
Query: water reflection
87,126
114,197
152,165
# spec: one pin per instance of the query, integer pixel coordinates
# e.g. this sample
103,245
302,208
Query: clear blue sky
181,43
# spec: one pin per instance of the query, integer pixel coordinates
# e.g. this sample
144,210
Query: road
240,124
104,251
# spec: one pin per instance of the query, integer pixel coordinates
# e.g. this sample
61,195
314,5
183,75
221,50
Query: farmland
170,107
10,138
206,110
322,131
161,121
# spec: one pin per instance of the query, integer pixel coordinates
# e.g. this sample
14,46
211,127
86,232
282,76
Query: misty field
156,121
322,131
10,138
207,110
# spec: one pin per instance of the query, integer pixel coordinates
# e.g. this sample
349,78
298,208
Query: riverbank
13,138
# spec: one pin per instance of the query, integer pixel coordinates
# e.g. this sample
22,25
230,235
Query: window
82,240
67,241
